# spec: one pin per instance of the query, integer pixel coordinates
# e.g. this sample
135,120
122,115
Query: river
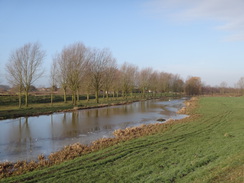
26,138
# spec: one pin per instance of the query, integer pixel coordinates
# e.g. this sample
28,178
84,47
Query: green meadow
206,147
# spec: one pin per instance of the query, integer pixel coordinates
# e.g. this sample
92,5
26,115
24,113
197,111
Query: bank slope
207,148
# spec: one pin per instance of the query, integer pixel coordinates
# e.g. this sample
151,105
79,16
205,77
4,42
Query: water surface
26,138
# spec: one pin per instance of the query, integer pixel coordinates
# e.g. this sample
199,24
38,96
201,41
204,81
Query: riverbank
11,112
205,147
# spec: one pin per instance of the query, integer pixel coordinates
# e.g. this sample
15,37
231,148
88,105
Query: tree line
77,68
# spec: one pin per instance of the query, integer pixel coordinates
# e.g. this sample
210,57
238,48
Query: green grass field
207,148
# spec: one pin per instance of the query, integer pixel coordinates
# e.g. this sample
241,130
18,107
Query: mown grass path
207,148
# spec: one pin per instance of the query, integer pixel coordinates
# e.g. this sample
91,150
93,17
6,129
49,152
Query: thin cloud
228,13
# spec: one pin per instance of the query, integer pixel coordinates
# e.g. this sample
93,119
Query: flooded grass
206,147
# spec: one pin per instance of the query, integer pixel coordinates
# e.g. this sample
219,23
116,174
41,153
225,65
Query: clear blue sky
202,38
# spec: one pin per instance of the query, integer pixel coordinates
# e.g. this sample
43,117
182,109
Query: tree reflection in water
26,138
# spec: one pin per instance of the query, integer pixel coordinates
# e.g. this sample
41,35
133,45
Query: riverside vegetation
205,147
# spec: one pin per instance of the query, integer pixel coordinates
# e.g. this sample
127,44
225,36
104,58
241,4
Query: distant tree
193,86
240,85
154,82
4,88
208,90
164,82
33,88
144,80
177,83
24,67
223,87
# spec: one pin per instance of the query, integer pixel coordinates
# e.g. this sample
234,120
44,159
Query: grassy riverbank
207,147
41,105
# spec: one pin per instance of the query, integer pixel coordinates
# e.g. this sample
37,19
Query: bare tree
72,62
86,83
128,78
75,55
109,76
160,83
100,60
165,80
28,60
53,78
240,85
62,74
223,87
116,85
154,83
177,83
193,86
15,73
144,82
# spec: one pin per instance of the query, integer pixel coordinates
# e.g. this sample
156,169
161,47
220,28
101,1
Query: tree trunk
113,94
74,97
65,97
97,99
19,97
20,100
52,98
78,96
107,95
26,98
125,95
52,90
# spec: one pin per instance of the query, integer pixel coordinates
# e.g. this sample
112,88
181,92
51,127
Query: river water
26,138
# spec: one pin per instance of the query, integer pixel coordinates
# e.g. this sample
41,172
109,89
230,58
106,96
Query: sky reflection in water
26,138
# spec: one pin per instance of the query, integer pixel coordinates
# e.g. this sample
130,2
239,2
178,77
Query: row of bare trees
77,68
82,69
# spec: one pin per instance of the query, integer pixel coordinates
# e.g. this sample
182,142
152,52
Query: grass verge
207,147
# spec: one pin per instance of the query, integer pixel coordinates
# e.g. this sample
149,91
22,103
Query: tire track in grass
154,143
95,161
69,169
